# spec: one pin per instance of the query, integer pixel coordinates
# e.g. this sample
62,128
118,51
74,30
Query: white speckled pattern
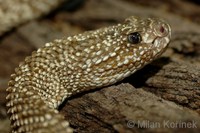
85,61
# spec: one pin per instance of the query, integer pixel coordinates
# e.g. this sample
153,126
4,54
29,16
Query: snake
65,67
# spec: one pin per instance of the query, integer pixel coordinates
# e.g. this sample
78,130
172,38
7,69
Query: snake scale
65,67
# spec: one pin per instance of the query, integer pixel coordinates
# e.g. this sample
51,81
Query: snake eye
134,38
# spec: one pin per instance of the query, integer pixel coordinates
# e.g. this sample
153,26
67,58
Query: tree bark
123,108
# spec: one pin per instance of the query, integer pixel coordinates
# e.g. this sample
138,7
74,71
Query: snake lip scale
65,67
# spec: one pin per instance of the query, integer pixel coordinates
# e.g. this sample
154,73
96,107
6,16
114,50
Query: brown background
166,89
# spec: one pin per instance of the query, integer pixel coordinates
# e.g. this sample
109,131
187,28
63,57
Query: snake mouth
161,42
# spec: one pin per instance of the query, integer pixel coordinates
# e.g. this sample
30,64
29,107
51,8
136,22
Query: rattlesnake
78,63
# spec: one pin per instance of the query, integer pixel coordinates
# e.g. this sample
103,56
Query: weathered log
123,108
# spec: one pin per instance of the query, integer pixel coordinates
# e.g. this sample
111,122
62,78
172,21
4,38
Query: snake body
78,63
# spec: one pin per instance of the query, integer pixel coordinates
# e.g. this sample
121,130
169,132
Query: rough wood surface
168,89
123,108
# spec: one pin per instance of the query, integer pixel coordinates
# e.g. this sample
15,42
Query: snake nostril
162,29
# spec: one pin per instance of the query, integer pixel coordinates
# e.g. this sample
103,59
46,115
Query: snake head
151,33
129,46
110,54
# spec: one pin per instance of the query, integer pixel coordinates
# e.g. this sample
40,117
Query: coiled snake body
78,63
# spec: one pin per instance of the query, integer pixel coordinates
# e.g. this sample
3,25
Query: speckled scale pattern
75,64
15,12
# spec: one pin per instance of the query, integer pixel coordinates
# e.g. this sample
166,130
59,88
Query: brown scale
82,62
